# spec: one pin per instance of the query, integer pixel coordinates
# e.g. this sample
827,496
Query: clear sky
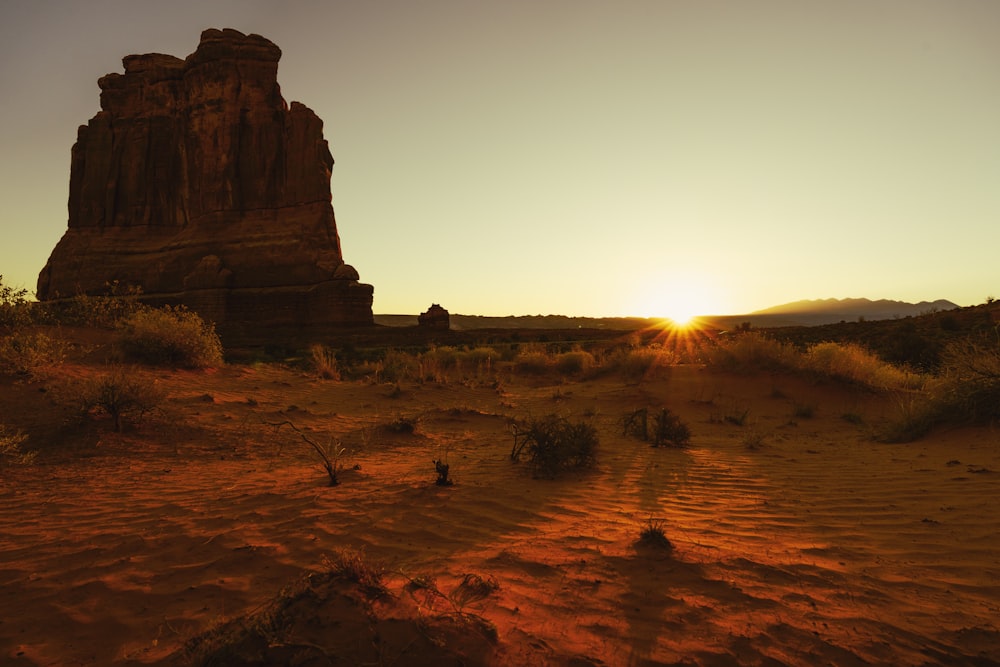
578,157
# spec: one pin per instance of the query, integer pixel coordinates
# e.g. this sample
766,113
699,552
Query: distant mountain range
798,313
811,312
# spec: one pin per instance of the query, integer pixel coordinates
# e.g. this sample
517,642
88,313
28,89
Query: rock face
198,183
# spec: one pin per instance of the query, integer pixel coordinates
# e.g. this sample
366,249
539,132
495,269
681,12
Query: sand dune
820,546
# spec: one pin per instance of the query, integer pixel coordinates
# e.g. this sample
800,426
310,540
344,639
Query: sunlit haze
662,158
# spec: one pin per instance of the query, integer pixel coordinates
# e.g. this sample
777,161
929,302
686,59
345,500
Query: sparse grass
354,566
654,536
171,336
552,444
324,362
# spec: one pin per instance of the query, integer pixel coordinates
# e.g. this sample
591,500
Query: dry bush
324,362
11,450
122,395
532,359
967,391
752,351
574,363
109,310
639,363
666,429
15,309
355,567
172,336
30,352
854,363
552,444
654,536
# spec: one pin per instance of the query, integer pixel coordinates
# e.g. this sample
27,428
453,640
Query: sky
581,157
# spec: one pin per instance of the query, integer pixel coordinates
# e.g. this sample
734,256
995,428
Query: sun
680,299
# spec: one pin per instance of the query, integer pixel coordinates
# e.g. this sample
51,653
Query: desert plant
354,566
749,351
532,359
122,395
330,454
324,362
753,439
669,429
473,588
116,304
653,535
27,352
11,450
804,410
574,362
553,443
442,470
853,363
172,336
636,424
15,309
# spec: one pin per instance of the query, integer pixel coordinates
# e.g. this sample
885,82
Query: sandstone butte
197,183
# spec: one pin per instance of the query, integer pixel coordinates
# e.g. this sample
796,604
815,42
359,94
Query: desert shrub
854,363
118,303
639,363
15,309
666,429
172,335
969,389
654,536
669,429
10,447
122,395
355,567
532,359
574,362
751,351
804,410
28,352
552,444
324,362
395,365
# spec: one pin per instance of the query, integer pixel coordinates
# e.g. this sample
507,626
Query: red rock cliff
197,182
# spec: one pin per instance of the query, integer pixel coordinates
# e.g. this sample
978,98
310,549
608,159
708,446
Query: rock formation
199,184
434,317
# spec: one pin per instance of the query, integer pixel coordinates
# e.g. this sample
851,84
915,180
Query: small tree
123,396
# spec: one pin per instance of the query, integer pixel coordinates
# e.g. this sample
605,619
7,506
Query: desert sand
819,546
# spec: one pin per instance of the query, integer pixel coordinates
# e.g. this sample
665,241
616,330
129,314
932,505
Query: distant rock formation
434,317
198,183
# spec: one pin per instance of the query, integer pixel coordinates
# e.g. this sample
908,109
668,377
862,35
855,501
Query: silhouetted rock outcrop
434,317
198,183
